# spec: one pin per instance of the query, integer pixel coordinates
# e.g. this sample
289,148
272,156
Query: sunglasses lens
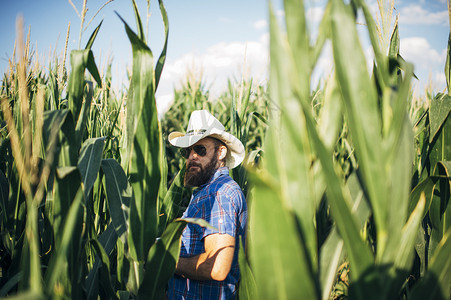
199,149
185,152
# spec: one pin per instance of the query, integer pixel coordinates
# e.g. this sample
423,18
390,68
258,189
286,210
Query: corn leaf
80,61
447,65
162,58
359,254
138,22
144,168
361,108
104,269
162,259
331,256
277,269
80,128
404,255
171,206
61,121
89,162
247,287
58,260
118,193
299,41
438,115
380,58
288,129
107,240
425,187
435,284
93,36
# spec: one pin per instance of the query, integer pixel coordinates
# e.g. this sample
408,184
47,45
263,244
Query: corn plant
68,207
374,217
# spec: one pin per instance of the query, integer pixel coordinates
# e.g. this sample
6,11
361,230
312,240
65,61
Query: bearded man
208,263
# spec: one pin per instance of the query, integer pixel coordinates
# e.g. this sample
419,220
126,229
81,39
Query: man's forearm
213,264
198,267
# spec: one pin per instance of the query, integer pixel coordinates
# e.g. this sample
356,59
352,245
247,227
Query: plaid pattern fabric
221,203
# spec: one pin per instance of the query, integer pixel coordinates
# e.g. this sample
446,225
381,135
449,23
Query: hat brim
235,155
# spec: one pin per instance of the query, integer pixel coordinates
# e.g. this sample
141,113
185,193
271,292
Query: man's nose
192,154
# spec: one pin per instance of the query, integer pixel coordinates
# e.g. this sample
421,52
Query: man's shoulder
225,181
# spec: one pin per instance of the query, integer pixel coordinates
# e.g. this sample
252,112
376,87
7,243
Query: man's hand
214,264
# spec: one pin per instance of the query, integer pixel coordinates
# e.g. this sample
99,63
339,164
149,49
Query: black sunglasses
199,149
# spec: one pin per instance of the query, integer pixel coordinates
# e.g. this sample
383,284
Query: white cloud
415,14
418,51
217,63
428,62
261,24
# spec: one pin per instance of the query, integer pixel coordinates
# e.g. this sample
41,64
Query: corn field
348,186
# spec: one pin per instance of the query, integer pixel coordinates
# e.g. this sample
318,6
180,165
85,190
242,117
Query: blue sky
220,39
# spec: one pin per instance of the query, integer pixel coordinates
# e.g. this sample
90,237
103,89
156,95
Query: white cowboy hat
202,124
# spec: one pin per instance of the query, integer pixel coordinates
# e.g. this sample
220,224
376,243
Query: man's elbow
219,274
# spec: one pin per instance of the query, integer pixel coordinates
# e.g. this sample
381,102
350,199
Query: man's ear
222,152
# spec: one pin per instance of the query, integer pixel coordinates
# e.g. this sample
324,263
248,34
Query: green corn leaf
288,125
405,253
161,262
399,162
89,162
144,133
30,260
436,282
330,258
61,121
10,284
93,36
438,115
323,35
80,128
425,187
393,49
381,59
447,65
361,108
171,206
80,60
163,188
28,295
104,270
118,193
162,58
299,41
139,24
65,189
359,254
440,210
244,102
278,268
58,260
107,240
4,193
330,119
247,287
162,259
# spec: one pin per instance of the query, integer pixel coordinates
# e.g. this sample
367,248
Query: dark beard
201,176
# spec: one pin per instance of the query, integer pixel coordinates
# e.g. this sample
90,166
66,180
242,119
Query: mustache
194,164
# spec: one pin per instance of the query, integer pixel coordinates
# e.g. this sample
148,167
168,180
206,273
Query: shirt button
220,221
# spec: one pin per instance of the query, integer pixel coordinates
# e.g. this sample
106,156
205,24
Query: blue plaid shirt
221,203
